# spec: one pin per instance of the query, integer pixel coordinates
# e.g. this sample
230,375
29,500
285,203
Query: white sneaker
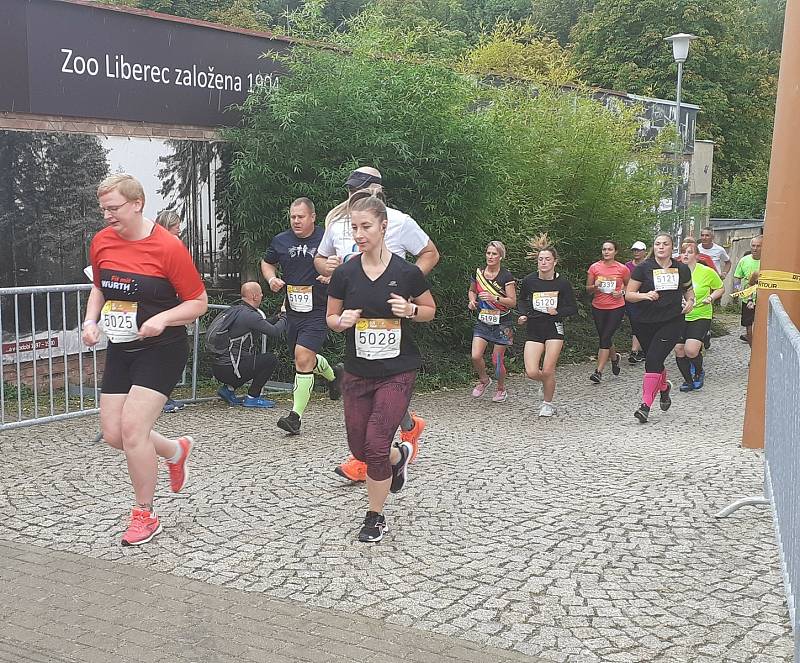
547,410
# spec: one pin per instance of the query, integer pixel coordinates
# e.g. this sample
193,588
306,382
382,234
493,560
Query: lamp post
680,51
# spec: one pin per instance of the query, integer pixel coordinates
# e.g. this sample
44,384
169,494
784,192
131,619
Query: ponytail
540,243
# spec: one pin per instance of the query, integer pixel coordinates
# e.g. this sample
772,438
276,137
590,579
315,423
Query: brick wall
42,370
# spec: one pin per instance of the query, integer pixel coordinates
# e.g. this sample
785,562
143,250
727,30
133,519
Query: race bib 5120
542,301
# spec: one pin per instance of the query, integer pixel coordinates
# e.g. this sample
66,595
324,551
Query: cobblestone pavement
58,606
584,538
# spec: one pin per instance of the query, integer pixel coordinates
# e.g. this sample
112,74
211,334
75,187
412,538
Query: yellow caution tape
776,275
772,279
769,284
745,292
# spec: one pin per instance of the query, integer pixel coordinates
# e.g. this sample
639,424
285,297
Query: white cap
639,246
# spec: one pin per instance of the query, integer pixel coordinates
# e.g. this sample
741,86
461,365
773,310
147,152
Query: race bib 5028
378,338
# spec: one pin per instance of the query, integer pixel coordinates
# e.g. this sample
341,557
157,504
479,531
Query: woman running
663,287
708,288
369,298
492,293
636,355
605,282
545,300
146,289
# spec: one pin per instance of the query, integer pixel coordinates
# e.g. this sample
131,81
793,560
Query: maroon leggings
373,409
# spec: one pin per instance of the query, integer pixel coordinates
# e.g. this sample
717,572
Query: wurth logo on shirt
302,250
122,283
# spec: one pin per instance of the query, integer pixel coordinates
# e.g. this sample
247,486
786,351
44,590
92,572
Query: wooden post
782,223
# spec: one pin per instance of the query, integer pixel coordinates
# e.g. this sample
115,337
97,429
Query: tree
470,162
520,51
742,197
620,46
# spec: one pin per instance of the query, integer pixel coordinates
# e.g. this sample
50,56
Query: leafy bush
470,162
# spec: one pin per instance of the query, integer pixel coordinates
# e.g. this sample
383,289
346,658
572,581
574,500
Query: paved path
584,538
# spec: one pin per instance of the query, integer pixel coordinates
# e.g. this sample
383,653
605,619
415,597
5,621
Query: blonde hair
168,218
540,243
499,246
129,187
364,201
689,241
342,210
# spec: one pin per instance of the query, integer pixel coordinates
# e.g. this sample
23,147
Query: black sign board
64,58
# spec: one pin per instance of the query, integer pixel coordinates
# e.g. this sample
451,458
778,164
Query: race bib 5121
666,279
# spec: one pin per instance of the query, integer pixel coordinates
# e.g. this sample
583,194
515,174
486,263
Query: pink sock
651,383
663,385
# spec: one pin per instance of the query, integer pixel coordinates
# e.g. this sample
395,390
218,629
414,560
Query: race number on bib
300,298
378,338
118,320
541,301
666,279
606,287
489,316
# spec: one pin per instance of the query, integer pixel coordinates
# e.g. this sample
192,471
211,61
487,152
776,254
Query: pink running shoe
144,526
481,388
179,472
499,396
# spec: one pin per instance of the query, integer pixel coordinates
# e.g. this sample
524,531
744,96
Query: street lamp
680,51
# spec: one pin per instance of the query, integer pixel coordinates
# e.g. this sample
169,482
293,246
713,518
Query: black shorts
157,367
310,331
541,330
748,315
696,330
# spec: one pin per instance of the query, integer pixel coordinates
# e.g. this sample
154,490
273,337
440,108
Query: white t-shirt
717,254
403,236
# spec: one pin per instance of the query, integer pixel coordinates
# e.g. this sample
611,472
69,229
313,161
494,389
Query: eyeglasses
114,208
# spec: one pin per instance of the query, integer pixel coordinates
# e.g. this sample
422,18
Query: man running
306,300
722,261
746,274
403,236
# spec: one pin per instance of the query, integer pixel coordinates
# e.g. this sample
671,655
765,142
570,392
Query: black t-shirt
374,334
536,294
673,282
295,255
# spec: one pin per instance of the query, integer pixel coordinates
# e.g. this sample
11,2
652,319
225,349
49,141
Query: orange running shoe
352,470
414,435
179,472
144,526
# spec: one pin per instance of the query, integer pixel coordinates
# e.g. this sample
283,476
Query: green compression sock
323,369
303,384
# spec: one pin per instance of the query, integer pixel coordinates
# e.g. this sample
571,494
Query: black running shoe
374,528
642,413
596,377
615,363
290,423
399,471
664,401
632,358
707,340
335,385
641,355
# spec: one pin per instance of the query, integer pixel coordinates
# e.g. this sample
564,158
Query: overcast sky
139,157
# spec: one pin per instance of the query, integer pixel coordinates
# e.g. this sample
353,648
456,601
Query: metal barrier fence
42,348
782,452
40,328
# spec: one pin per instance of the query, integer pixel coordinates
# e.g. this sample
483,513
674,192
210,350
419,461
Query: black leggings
658,339
607,322
257,368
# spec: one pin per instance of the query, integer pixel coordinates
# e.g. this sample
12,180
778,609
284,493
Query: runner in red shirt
146,289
